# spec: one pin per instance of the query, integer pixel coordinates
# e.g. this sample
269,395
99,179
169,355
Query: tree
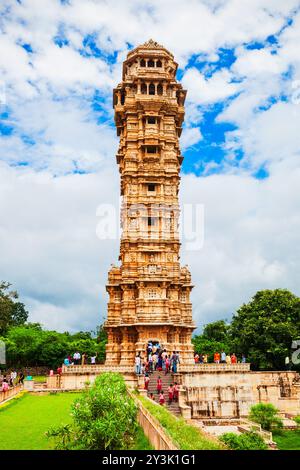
216,331
264,328
265,414
12,312
214,338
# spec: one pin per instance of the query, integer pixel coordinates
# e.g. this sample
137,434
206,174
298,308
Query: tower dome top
150,45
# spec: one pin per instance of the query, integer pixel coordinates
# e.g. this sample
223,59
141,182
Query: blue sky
239,62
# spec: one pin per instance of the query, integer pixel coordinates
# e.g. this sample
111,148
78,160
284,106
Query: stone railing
246,425
10,393
96,369
99,368
152,428
212,367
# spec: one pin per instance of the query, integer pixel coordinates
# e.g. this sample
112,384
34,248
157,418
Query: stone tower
149,293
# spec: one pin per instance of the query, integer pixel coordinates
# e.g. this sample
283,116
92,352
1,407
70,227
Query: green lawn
287,440
26,421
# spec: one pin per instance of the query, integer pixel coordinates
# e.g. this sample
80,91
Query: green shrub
104,417
265,414
297,420
246,441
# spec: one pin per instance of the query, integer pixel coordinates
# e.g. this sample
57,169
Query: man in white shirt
76,357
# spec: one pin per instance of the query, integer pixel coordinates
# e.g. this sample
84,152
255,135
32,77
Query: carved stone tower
149,294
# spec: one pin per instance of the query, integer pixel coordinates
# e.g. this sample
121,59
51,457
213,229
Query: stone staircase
167,380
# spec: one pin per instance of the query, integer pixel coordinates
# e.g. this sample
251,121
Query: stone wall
230,394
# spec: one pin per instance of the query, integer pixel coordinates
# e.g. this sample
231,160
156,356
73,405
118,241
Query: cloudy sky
59,60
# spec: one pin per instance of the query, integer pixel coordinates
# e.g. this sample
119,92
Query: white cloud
49,248
190,136
203,91
252,229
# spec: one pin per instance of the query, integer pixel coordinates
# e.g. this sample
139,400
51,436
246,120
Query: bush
297,420
104,417
265,414
246,441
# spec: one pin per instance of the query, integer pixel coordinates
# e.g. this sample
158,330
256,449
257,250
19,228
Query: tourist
154,361
168,364
217,358
158,385
223,357
233,359
159,363
196,358
170,394
150,362
161,398
149,348
174,362
154,348
83,359
201,358
59,370
175,391
146,382
5,386
67,362
205,358
93,359
76,357
13,376
138,364
243,359
143,368
21,378
228,359
152,397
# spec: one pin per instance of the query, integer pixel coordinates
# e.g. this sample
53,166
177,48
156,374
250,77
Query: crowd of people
173,391
80,359
11,380
156,359
220,358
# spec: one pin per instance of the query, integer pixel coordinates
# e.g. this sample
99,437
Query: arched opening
143,63
159,89
158,63
144,89
151,89
122,97
150,63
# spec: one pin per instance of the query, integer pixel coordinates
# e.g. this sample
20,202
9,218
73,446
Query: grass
185,436
141,442
287,440
25,421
